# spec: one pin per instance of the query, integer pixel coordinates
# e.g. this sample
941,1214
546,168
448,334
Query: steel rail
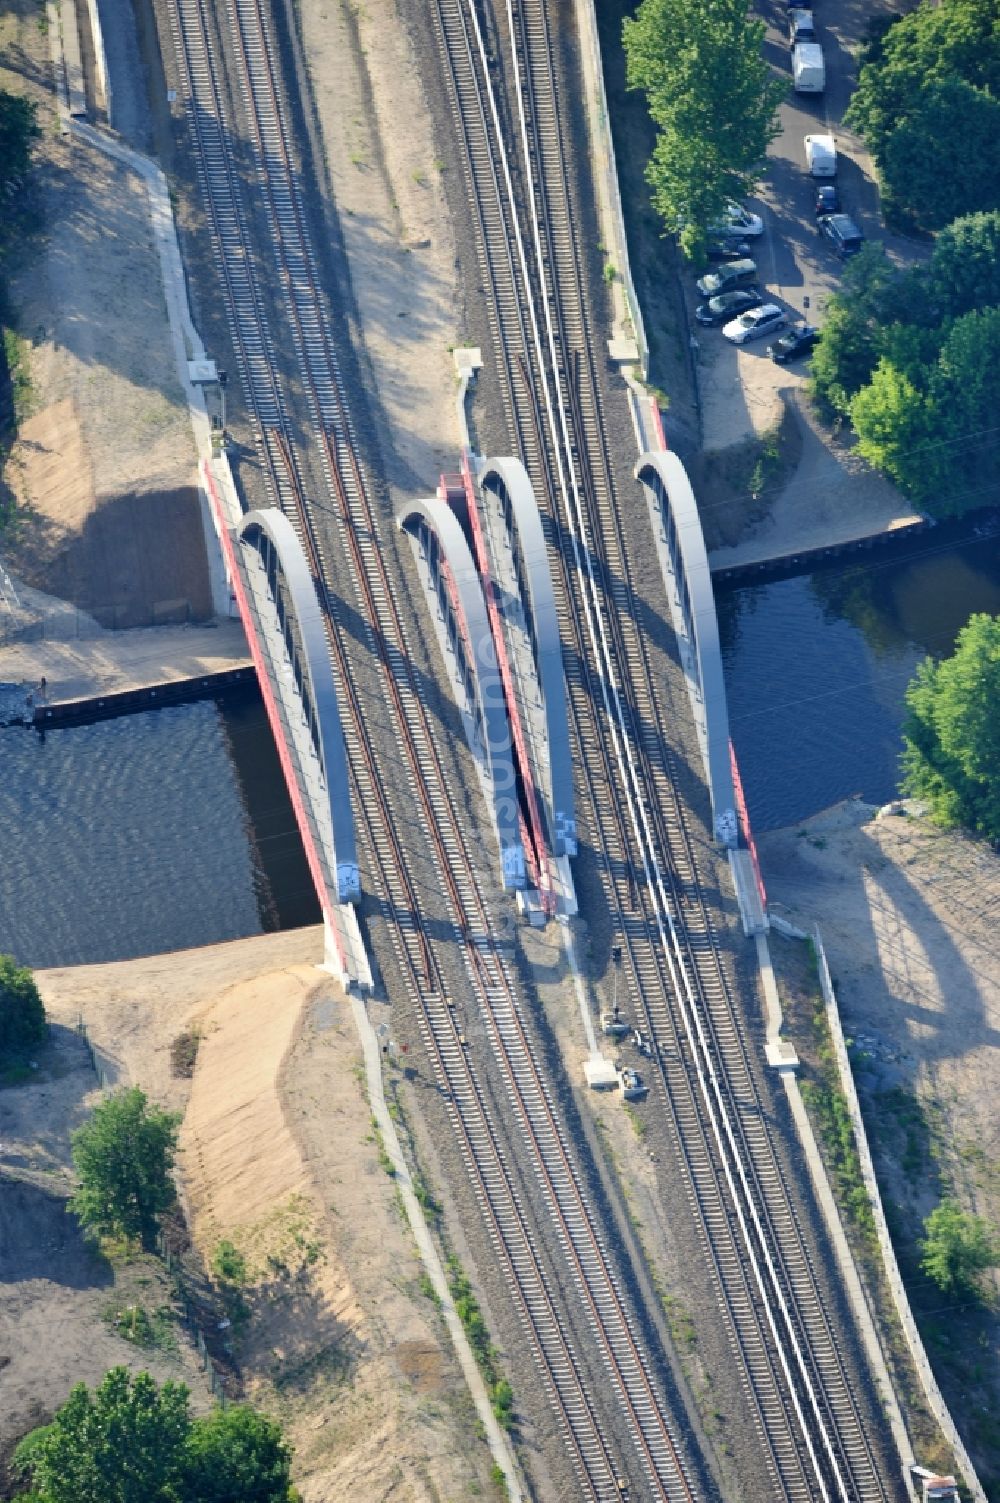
491,1183
653,871
624,1358
596,625
284,481
820,1346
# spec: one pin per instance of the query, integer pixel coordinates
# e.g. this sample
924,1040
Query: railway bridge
481,553
271,582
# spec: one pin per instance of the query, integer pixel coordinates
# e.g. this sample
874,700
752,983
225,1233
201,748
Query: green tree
131,1442
943,160
852,338
965,389
22,1016
964,271
951,734
897,425
125,1443
899,92
123,1156
237,1456
714,101
18,133
957,1248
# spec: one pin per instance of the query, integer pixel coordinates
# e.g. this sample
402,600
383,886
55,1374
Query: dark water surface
817,666
151,832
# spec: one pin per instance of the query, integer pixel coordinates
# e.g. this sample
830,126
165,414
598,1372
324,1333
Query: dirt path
396,227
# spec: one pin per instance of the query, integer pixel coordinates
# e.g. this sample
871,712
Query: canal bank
147,832
817,665
78,660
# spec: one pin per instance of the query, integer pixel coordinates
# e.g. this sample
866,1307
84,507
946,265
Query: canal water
817,666
150,832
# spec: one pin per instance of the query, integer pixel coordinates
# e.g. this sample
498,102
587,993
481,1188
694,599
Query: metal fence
104,1069
216,1377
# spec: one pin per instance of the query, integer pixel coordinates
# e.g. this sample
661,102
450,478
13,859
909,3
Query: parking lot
742,391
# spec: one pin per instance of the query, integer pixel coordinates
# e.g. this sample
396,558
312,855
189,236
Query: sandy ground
831,497
110,662
104,465
908,916
396,227
276,1155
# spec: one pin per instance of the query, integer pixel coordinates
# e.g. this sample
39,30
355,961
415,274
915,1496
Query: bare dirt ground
109,662
103,468
827,494
277,1156
908,915
396,226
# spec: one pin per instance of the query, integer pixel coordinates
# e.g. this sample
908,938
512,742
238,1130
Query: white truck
808,68
821,156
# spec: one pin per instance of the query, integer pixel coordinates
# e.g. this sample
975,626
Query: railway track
799,1387
583,1275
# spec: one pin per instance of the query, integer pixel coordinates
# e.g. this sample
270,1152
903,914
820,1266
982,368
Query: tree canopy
131,1442
927,106
22,1016
951,733
910,358
957,1248
713,99
18,133
123,1157
964,272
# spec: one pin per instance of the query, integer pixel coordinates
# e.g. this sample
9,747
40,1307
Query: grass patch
228,1264
385,1162
153,1330
22,394
467,1307
806,1024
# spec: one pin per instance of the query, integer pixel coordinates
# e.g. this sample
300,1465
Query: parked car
821,156
808,68
737,220
842,233
800,25
726,248
827,200
724,308
764,320
725,278
798,341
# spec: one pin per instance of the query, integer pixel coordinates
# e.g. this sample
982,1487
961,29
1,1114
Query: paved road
798,269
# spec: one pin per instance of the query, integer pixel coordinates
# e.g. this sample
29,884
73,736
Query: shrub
22,1016
124,1156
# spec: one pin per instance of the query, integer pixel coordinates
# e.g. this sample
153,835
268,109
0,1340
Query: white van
808,68
821,156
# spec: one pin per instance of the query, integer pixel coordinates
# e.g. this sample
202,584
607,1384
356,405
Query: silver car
754,323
